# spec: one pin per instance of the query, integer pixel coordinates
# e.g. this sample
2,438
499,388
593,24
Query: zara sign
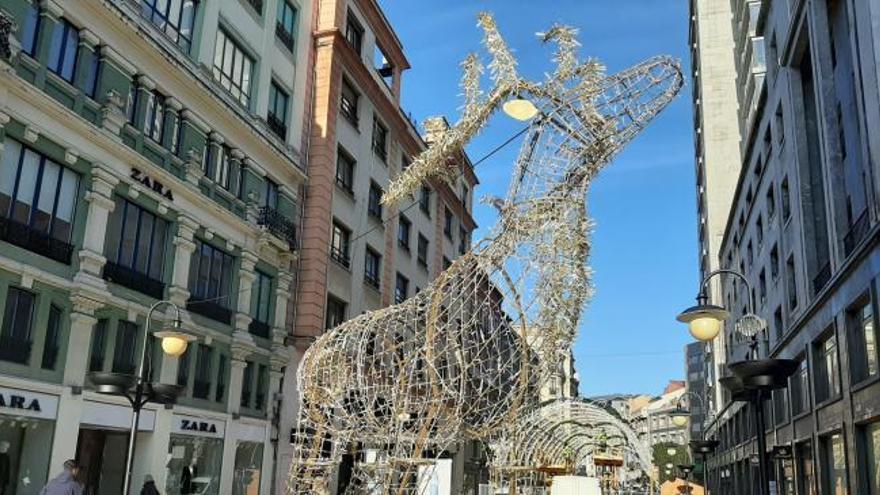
190,425
24,403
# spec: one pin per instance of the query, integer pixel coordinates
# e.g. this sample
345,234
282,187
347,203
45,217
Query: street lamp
686,469
754,377
137,388
520,108
671,451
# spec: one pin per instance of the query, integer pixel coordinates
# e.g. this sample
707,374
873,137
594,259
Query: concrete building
696,370
358,255
804,230
716,140
150,150
652,419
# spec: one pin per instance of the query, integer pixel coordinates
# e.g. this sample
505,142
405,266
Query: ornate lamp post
753,378
137,388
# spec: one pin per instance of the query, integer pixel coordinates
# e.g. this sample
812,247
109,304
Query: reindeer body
455,361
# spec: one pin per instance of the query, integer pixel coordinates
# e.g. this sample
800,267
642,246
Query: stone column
144,87
273,435
215,149
88,48
184,246
70,404
246,277
282,296
171,120
100,200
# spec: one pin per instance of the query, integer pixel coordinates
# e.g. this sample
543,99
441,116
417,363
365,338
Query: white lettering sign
190,425
24,403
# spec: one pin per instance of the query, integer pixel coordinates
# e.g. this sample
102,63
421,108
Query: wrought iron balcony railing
339,256
15,350
276,125
35,241
285,36
134,280
210,309
259,328
277,224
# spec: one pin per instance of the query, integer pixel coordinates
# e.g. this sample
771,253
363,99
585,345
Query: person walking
65,483
149,487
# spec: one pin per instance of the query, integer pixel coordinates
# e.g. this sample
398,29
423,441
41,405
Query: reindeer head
588,115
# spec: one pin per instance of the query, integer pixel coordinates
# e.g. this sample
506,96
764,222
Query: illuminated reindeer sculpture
394,388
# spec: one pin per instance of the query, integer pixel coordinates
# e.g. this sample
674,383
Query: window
786,200
210,280
774,262
220,391
791,283
63,50
53,332
98,347
233,68
183,367
277,114
380,139
270,199
462,240
759,231
247,384
374,205
422,253
284,23
382,65
778,324
39,196
780,405
202,381
464,195
762,287
217,168
339,244
124,347
154,117
262,387
91,79
834,465
345,170
175,19
372,267
354,33
448,221
15,336
870,458
348,102
800,388
806,475
771,202
401,289
31,29
425,200
335,312
261,302
403,232
863,340
828,371
135,243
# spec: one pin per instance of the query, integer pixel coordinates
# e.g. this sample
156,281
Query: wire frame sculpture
563,436
394,388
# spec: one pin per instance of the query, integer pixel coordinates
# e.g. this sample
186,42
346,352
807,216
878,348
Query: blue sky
644,246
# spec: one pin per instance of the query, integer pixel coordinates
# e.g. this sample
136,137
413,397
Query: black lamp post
137,388
686,470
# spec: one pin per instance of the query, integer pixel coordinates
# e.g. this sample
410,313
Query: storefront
248,472
195,456
27,425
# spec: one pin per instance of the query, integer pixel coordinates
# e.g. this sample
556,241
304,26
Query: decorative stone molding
209,233
187,227
9,46
30,134
289,191
116,59
71,156
249,260
242,346
84,304
103,180
241,322
173,104
179,295
257,169
51,9
88,38
193,167
91,262
162,208
196,121
145,82
216,137
4,119
236,154
113,117
133,191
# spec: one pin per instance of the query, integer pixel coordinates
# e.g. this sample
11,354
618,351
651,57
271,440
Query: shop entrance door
101,454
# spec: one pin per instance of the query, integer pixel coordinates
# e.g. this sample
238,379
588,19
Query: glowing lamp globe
174,344
704,320
520,109
680,417
671,451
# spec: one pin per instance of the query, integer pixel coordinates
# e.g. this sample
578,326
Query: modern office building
150,150
716,141
696,369
804,230
357,254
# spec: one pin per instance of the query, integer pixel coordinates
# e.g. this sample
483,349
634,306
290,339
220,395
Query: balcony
284,36
340,256
857,232
210,309
277,126
134,280
25,237
277,224
201,389
259,328
15,350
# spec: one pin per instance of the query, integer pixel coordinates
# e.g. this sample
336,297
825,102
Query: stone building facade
803,228
150,150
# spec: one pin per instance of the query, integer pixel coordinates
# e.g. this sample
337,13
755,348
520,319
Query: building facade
150,150
716,141
804,230
696,370
357,254
652,420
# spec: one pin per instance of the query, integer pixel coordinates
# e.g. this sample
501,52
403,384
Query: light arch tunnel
567,431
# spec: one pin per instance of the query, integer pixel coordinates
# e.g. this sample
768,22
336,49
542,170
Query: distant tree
662,458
